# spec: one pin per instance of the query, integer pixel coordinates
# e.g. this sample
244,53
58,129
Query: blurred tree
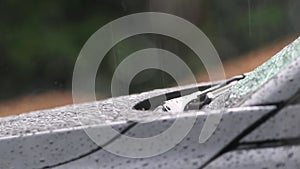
40,40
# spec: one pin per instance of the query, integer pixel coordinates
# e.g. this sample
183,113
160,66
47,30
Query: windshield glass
266,71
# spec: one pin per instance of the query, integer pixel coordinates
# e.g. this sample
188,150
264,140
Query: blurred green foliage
40,40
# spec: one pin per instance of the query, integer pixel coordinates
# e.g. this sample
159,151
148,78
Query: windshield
266,71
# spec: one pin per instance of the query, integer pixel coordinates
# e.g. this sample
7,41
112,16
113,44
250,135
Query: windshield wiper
197,100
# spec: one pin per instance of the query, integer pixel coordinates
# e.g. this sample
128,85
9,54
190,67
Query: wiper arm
197,100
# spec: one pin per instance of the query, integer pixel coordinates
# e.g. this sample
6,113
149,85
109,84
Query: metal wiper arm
200,98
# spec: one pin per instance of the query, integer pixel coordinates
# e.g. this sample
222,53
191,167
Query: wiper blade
197,100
